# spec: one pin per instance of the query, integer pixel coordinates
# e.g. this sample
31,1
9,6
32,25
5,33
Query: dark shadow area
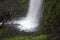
1,0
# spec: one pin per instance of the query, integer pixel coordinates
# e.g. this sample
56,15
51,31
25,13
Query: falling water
34,14
33,17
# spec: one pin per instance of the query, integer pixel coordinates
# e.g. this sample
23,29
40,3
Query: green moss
41,37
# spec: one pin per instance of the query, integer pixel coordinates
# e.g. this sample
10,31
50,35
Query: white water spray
34,15
31,21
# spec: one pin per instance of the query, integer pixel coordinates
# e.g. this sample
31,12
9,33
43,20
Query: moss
41,37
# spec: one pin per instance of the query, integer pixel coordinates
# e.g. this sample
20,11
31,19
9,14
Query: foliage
41,37
51,19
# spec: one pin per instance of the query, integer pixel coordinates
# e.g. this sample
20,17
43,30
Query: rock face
15,7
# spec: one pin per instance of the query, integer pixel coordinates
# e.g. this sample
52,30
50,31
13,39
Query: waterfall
34,15
32,19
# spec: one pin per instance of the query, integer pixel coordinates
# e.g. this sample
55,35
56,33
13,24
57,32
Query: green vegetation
41,37
51,20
